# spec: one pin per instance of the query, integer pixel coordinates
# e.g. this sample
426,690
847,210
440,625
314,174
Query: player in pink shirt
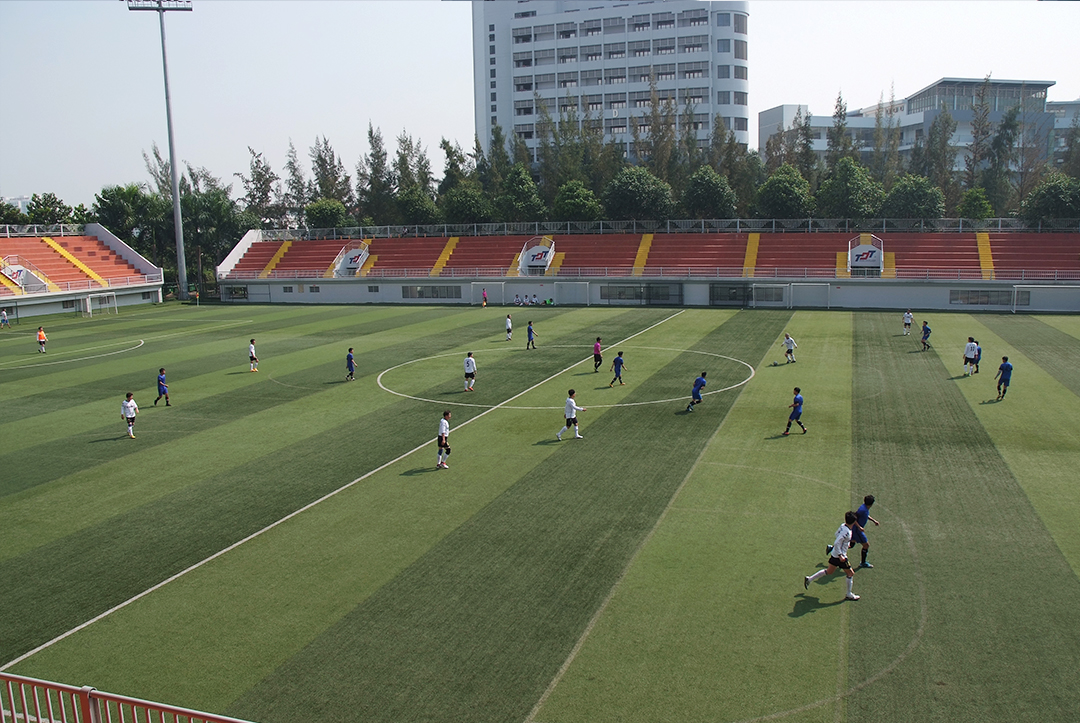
597,357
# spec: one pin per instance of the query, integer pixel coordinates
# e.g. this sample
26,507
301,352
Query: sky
84,97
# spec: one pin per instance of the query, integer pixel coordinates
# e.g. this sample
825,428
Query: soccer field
279,546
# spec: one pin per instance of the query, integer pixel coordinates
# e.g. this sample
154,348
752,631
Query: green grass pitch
279,546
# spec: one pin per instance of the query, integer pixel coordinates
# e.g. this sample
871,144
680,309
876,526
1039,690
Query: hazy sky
83,94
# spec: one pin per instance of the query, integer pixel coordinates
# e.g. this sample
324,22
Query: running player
790,346
617,366
971,350
470,372
908,318
444,440
128,410
570,414
695,393
41,339
925,336
1005,372
838,561
796,413
350,366
251,356
978,356
858,533
4,323
597,357
162,388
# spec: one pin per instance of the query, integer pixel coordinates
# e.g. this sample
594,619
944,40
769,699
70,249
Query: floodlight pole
161,6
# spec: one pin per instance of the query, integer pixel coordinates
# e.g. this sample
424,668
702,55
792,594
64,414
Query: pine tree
840,143
979,149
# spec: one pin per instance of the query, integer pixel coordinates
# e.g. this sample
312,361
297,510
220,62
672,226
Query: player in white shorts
470,372
791,346
444,440
908,318
570,414
838,557
509,328
971,352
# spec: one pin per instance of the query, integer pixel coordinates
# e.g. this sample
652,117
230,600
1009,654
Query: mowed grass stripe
711,621
989,565
476,627
1033,427
266,601
95,567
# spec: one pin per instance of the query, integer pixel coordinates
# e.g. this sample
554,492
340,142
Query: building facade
600,57
916,113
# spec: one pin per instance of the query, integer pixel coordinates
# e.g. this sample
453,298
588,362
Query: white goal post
572,292
812,294
1038,297
103,303
496,292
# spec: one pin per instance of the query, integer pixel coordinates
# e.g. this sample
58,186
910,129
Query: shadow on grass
546,442
416,471
232,374
805,603
990,401
108,439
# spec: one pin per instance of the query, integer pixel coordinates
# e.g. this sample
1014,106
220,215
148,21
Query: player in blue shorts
925,336
531,342
162,388
978,356
617,367
796,412
695,393
350,365
1005,372
858,532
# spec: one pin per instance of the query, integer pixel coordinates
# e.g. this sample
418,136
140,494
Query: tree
160,171
840,144
48,209
804,158
939,157
12,215
653,138
974,204
1056,196
885,157
498,163
851,193
331,181
262,190
914,197
297,188
519,200
575,202
996,178
785,195
325,213
636,194
979,149
121,210
456,169
466,203
376,182
417,207
708,195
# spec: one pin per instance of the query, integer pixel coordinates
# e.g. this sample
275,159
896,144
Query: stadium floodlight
160,7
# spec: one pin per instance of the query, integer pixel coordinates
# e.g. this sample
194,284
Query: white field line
79,359
293,514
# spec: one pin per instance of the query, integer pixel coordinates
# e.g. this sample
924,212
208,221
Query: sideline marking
289,516
831,700
82,358
378,380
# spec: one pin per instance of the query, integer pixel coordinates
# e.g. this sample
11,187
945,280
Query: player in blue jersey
350,365
796,413
858,532
1005,374
531,343
617,366
925,336
978,356
695,393
162,388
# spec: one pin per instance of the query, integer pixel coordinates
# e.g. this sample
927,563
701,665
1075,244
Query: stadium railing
30,699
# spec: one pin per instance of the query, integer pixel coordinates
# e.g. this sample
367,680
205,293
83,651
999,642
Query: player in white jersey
251,356
570,414
838,557
444,440
908,318
971,352
470,372
790,346
509,328
128,410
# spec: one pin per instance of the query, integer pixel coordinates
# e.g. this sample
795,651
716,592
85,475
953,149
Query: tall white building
600,56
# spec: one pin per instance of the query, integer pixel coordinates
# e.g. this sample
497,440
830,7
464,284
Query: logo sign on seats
538,256
866,256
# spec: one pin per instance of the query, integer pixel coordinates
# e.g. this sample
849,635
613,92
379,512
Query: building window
491,38
740,24
740,50
544,57
286,289
988,298
494,108
740,72
723,20
545,81
313,289
147,295
236,292
723,97
493,84
663,20
523,83
493,98
492,72
615,51
742,124
431,292
492,61
723,45
491,28
67,304
373,289
526,14
494,121
723,71
740,98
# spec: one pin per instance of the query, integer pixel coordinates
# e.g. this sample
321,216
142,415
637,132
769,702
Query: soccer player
617,366
162,388
509,328
908,317
597,357
1005,372
350,365
128,410
4,320
858,532
444,440
570,414
41,339
978,356
838,561
484,293
925,336
517,299
796,413
470,372
251,356
532,337
971,350
791,346
695,393
535,301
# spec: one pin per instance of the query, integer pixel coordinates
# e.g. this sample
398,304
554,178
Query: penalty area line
286,518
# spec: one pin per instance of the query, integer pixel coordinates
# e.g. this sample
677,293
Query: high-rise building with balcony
601,57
